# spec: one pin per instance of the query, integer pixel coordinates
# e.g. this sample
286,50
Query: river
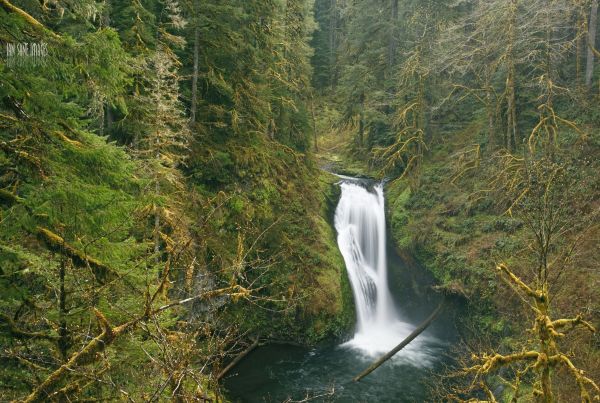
390,301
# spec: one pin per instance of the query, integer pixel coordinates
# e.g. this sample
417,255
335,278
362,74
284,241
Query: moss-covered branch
82,357
517,281
108,334
8,198
573,323
581,379
11,8
19,333
491,362
546,355
57,244
22,155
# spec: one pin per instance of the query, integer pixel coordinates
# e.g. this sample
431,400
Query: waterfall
361,229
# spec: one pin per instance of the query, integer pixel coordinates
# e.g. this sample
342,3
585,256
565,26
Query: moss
400,216
58,244
330,309
309,280
7,198
452,237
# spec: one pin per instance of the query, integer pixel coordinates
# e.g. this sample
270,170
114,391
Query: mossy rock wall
330,310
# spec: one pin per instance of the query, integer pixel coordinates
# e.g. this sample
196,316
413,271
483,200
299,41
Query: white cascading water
360,224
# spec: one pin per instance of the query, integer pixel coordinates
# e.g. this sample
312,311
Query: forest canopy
166,197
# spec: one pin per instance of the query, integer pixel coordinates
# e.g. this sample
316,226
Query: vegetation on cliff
483,117
160,209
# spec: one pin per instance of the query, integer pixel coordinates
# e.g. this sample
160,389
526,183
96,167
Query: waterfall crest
361,229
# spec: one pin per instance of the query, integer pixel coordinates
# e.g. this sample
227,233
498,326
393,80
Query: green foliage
170,210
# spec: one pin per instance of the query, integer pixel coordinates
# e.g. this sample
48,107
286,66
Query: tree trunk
589,69
511,134
332,42
580,45
157,215
361,121
490,115
361,129
314,121
63,342
195,75
548,347
105,19
109,116
511,130
393,44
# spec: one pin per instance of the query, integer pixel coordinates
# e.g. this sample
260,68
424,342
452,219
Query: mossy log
239,358
57,244
62,137
22,155
8,198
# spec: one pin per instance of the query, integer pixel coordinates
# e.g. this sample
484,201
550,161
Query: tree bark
361,121
314,121
511,130
108,116
491,124
63,343
392,40
195,75
580,46
156,234
56,243
592,27
332,42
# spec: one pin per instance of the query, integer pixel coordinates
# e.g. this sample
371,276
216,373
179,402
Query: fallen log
404,343
237,359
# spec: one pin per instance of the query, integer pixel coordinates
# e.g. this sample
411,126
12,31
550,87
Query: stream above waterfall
390,302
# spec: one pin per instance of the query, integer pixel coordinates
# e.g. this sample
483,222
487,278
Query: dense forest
166,187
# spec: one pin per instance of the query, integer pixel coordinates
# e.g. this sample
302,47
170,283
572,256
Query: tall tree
393,40
333,41
196,57
591,41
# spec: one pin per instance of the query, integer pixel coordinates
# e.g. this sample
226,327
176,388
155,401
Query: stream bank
277,373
